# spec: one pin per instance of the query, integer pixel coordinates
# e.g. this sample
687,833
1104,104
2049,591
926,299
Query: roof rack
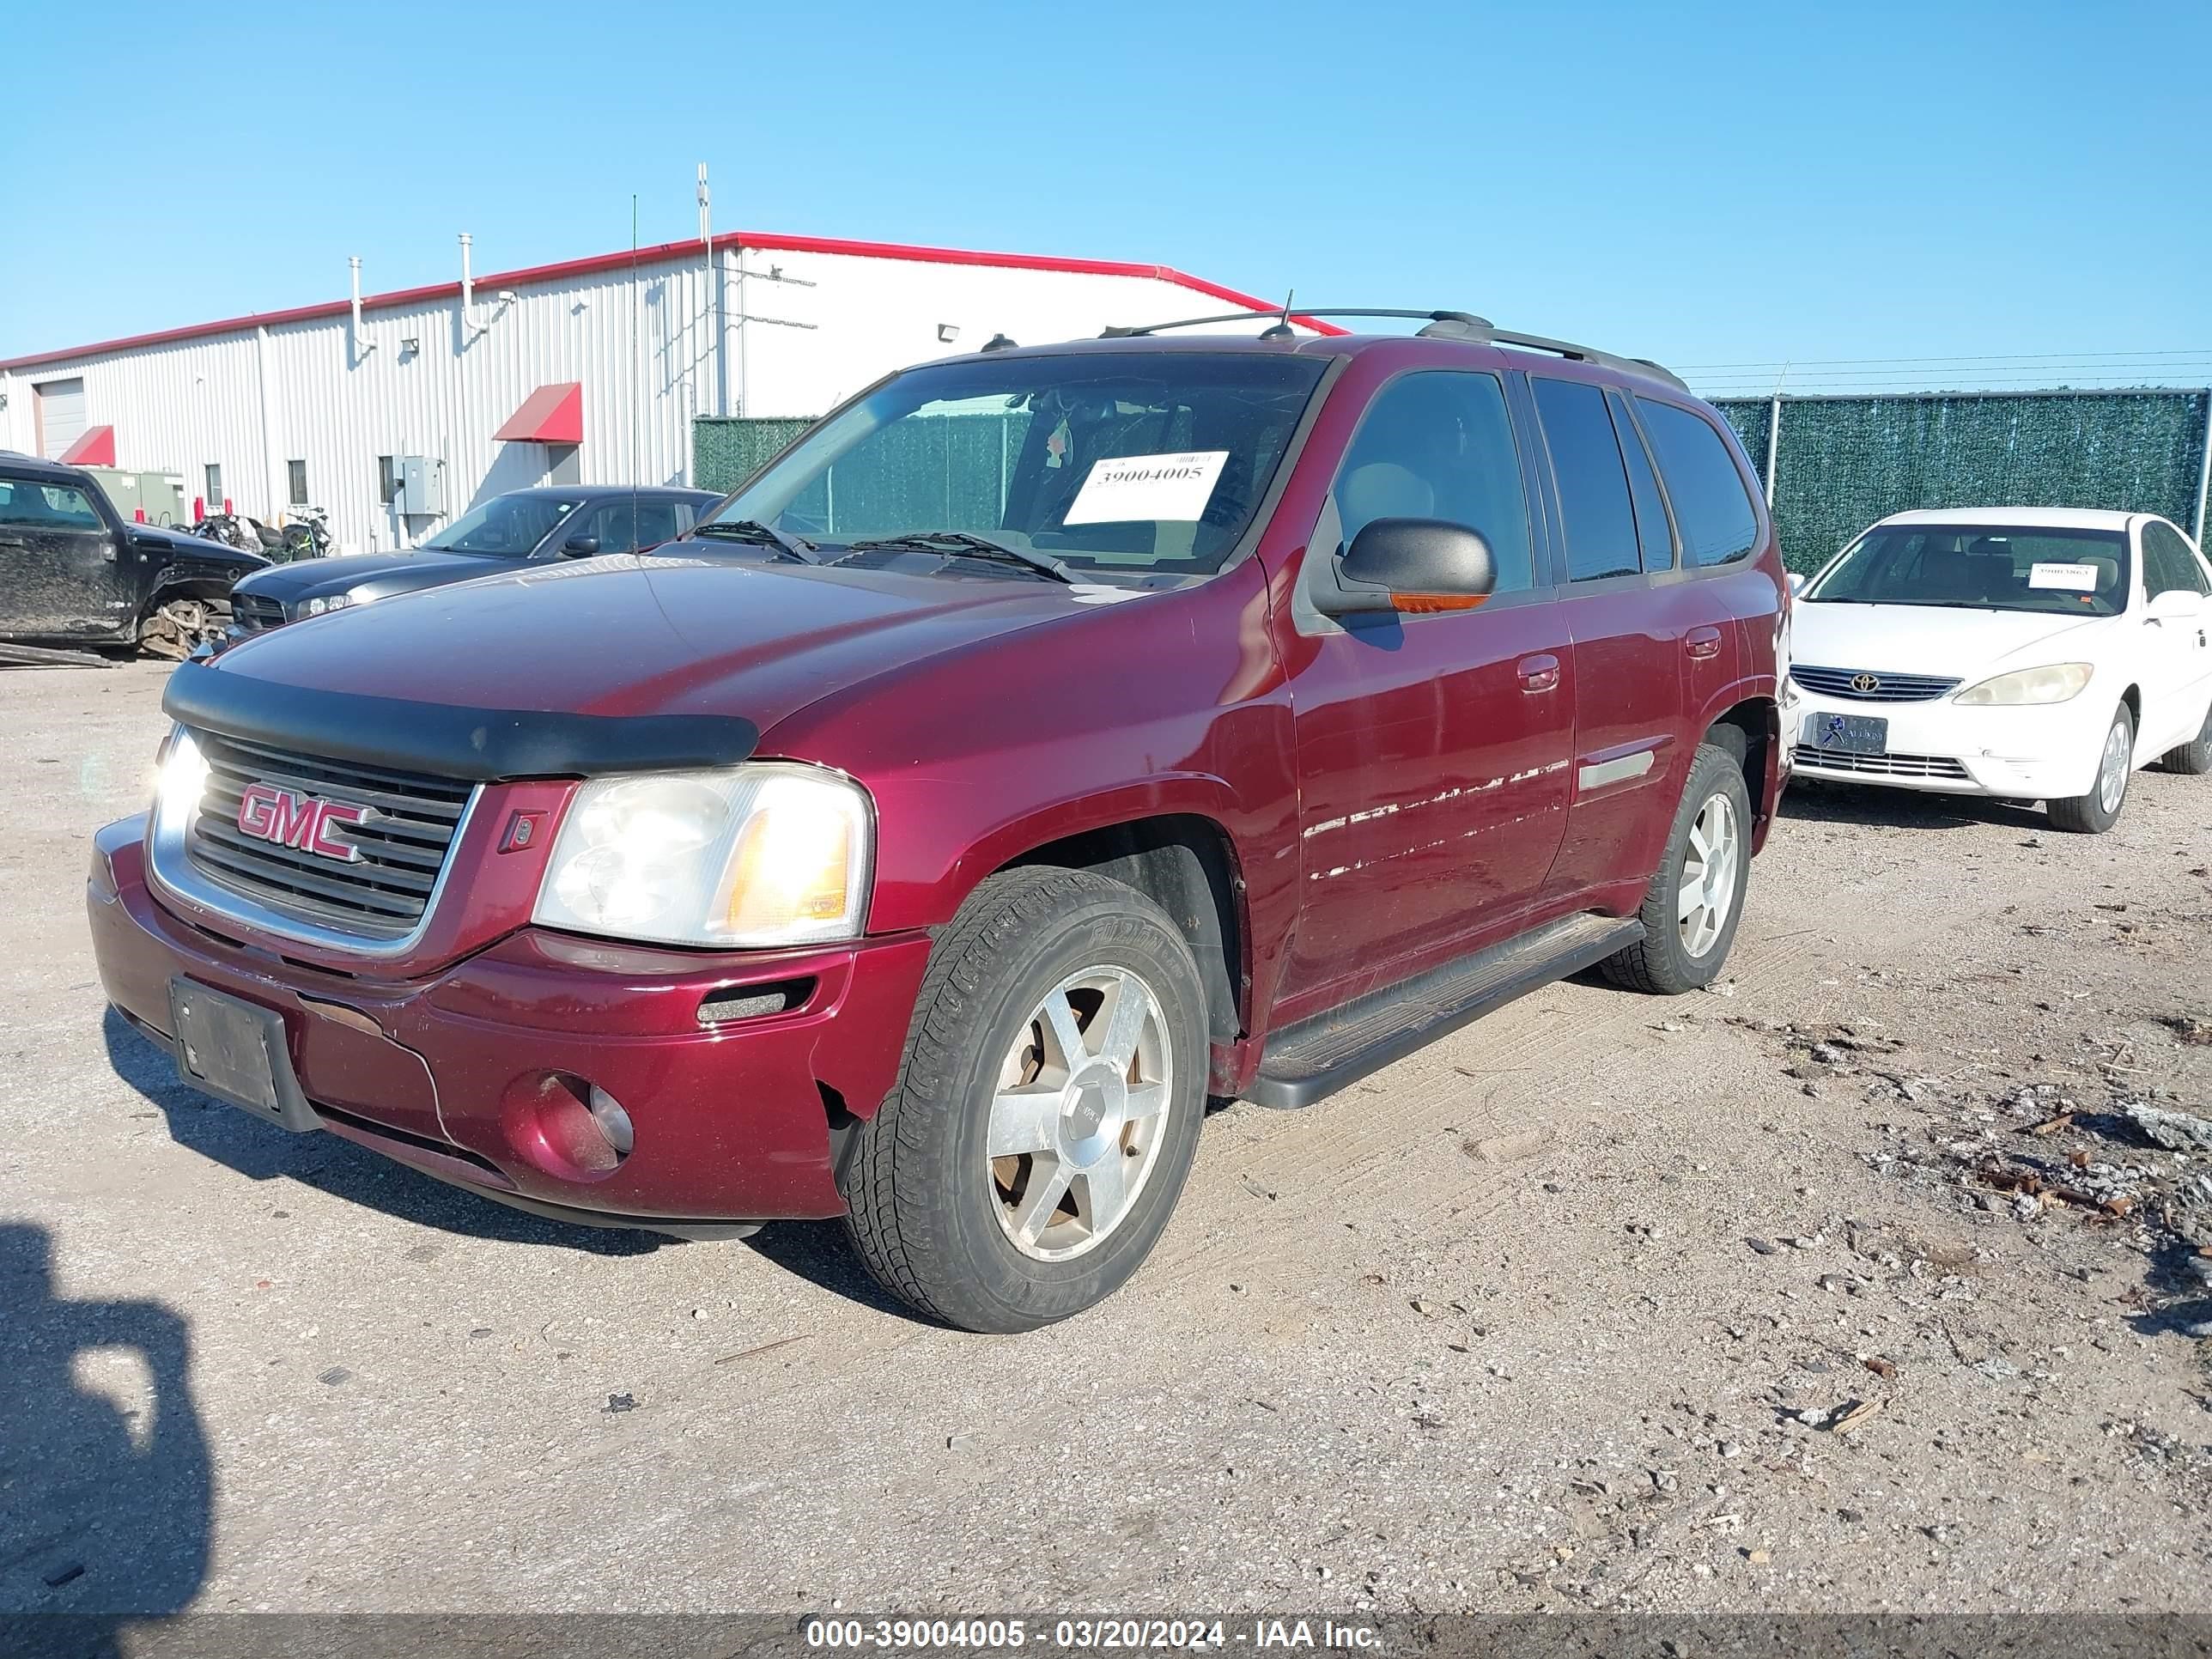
1442,325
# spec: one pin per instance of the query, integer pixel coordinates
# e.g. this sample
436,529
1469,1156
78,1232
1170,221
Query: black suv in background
74,572
545,524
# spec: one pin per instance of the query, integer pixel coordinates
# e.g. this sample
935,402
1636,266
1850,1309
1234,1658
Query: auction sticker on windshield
2068,578
1123,487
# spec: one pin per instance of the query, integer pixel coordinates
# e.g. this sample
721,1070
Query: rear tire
1695,900
1015,1176
2100,810
2193,759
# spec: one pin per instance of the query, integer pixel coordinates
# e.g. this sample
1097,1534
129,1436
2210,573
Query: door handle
1703,644
1538,673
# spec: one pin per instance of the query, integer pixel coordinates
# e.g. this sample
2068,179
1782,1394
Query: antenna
1282,329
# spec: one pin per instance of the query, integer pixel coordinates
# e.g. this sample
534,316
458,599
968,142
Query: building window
387,480
298,470
214,487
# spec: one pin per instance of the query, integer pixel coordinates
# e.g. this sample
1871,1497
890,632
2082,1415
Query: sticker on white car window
2068,578
1122,488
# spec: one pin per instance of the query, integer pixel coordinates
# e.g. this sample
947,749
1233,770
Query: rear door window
1654,535
1592,483
1712,509
1439,444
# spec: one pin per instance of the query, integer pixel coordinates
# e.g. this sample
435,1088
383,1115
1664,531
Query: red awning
95,448
550,415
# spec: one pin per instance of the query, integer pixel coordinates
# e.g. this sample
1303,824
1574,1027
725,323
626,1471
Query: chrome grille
1888,766
254,611
403,842
1886,687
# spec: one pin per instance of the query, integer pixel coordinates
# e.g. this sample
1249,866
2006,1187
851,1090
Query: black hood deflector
481,744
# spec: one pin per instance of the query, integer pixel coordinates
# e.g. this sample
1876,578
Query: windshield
2076,572
505,526
1109,462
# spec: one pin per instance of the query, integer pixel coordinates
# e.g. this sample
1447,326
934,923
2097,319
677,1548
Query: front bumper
475,1072
2045,752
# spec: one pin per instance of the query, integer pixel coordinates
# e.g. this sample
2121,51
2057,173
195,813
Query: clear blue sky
1702,183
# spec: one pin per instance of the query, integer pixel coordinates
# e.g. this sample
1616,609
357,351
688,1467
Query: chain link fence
1840,463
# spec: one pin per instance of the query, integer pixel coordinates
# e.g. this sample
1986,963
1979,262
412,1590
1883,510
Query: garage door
61,414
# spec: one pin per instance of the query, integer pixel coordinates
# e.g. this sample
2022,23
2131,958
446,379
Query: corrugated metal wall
640,341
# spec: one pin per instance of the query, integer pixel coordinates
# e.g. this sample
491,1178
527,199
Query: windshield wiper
760,535
974,547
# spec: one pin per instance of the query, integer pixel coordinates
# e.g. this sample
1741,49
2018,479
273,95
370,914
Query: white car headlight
763,855
2056,684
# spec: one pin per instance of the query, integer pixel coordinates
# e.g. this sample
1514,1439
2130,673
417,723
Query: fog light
614,1122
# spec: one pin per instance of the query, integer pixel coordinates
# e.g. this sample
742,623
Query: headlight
2056,683
770,854
180,778
336,602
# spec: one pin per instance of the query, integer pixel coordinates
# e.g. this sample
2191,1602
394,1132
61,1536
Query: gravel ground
1773,1297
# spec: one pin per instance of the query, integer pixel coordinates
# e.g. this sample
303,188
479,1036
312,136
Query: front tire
2100,810
1047,1110
2193,759
1694,903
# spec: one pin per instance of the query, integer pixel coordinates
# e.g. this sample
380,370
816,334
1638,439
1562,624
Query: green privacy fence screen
943,472
1841,463
1844,462
725,453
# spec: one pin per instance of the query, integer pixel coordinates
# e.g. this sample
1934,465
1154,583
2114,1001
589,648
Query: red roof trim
96,446
550,415
765,241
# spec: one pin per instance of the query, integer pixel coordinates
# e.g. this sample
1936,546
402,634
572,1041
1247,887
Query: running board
1316,1057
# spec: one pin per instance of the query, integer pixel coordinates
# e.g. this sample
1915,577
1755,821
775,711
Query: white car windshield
2076,572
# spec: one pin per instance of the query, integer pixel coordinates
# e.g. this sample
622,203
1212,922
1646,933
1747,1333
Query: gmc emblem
268,813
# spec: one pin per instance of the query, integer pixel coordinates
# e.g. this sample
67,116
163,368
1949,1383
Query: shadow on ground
261,1152
1906,809
108,1498
815,1251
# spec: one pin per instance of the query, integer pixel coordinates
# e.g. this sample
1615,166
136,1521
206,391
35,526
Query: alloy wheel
1707,891
1079,1114
2113,773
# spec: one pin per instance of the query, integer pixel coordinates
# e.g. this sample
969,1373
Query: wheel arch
1751,730
184,585
1187,863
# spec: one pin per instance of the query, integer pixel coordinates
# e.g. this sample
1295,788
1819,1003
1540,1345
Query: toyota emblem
1866,685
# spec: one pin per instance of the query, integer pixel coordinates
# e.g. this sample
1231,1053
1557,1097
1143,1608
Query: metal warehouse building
396,411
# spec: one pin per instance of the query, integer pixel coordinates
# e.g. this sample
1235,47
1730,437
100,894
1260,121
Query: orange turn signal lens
1422,605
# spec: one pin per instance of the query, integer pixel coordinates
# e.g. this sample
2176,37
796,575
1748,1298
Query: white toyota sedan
2038,653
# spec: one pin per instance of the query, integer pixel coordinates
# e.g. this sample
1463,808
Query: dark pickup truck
74,572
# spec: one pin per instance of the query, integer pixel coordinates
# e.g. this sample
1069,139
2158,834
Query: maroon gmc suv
1049,740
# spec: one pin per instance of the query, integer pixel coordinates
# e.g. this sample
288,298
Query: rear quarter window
1713,513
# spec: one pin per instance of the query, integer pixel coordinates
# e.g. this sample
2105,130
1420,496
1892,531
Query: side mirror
580,547
1413,565
1797,581
2175,604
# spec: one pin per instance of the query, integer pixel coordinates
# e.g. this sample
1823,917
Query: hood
1918,638
203,549
381,575
626,635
